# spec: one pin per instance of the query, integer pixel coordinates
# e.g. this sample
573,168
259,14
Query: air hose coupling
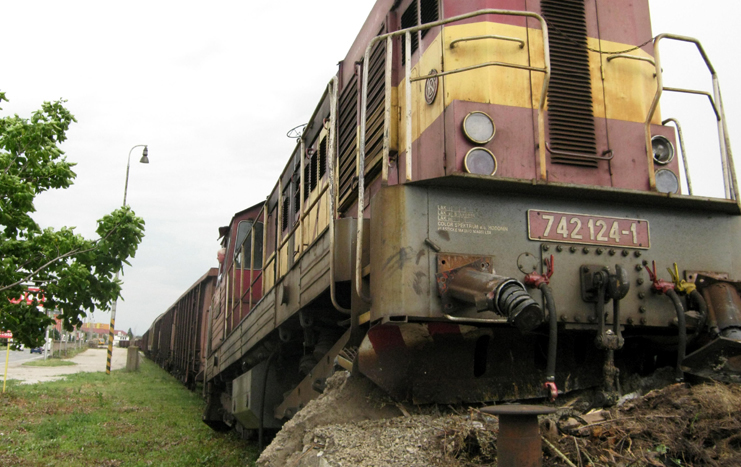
470,285
512,300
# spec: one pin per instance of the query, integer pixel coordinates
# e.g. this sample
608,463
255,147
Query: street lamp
143,160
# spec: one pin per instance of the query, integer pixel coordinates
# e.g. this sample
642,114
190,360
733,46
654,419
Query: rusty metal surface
448,261
518,441
517,409
451,363
719,360
725,301
691,276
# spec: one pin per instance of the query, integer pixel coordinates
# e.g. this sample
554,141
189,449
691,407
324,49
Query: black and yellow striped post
110,334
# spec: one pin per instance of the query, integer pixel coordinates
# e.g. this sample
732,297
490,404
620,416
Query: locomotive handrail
474,67
491,36
408,117
729,176
631,57
333,85
718,115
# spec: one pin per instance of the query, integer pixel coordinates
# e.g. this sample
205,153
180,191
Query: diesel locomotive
483,207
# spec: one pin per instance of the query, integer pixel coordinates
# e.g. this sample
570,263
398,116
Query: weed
125,419
50,362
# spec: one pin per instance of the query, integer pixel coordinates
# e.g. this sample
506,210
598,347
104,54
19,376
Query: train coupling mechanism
474,284
599,285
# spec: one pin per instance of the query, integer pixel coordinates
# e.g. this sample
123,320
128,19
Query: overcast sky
213,87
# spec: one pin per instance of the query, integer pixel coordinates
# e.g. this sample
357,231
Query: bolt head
630,320
612,252
563,318
639,267
642,309
641,295
643,320
559,248
637,254
640,281
592,319
585,250
625,253
577,319
599,251
546,247
572,249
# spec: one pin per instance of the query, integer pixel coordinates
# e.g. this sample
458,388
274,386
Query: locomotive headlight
480,161
666,181
663,149
479,127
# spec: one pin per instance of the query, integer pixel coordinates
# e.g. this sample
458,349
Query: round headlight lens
479,127
666,181
663,149
480,161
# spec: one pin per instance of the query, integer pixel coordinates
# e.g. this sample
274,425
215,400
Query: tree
74,274
131,335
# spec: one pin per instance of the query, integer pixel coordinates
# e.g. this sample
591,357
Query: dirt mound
354,424
676,425
346,399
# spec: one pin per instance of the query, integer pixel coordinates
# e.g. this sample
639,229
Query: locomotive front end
523,220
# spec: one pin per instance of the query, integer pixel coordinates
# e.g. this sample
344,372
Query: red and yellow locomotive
476,211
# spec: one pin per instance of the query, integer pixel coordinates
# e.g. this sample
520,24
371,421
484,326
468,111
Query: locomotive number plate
566,227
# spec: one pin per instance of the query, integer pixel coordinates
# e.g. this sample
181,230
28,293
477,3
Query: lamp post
143,160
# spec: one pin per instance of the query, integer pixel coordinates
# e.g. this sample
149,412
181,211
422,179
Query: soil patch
354,424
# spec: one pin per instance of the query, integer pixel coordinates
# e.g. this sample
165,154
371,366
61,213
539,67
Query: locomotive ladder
729,173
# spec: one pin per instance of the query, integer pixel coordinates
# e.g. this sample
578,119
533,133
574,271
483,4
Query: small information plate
564,227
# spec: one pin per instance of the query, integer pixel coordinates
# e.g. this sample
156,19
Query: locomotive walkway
91,360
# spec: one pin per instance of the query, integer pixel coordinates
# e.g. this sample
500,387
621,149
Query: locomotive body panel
494,225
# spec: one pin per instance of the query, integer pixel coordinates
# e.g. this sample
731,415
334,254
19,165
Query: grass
125,419
69,353
50,362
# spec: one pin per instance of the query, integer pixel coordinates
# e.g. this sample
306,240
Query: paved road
90,360
18,356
